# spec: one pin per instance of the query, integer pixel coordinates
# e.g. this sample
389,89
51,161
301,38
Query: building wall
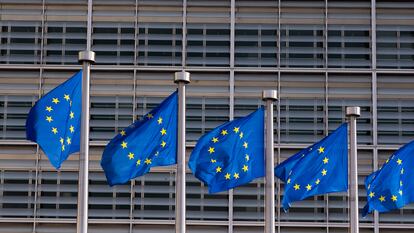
320,55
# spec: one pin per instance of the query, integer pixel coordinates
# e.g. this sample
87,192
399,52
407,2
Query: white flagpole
181,78
269,96
86,58
352,113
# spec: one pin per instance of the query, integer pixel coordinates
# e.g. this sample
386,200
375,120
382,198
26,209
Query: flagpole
181,78
352,113
269,96
86,58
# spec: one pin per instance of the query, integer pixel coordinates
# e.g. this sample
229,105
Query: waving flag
391,186
54,121
147,143
231,154
318,169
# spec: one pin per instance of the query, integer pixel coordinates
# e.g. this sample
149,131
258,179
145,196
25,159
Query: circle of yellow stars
131,155
50,109
324,172
211,150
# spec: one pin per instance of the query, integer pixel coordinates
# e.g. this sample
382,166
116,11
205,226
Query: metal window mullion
136,32
184,38
326,112
374,98
231,100
278,184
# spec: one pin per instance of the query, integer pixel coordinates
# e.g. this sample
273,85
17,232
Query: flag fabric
391,186
231,154
318,169
147,143
54,121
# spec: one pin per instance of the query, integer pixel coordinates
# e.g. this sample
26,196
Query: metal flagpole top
353,111
86,56
269,95
182,76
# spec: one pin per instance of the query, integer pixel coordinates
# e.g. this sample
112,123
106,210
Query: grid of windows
319,56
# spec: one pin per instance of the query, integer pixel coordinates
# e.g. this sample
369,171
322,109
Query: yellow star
400,192
247,157
399,161
241,135
381,198
68,141
149,116
61,140
308,187
55,100
245,168
66,97
131,155
214,140
70,103
147,161
325,160
213,160
296,187
163,131
394,198
218,169
211,150
72,115
63,147
324,171
236,129
123,133
402,171
124,144
317,181
159,120
163,143
401,183
236,175
371,194
49,119
227,176
224,132
321,150
138,162
157,153
245,145
387,160
49,108
54,130
72,129
288,181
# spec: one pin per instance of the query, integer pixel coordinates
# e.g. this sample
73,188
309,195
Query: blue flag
147,143
391,187
231,154
54,121
318,169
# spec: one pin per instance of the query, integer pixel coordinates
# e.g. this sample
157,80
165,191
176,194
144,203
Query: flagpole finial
182,76
353,111
86,56
269,95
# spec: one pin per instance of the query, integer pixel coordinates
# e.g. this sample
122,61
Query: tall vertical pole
181,78
352,113
86,58
269,96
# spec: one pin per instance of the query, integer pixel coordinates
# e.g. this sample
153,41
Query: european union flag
391,187
318,169
147,143
54,121
231,154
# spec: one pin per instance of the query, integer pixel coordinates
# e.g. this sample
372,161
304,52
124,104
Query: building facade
320,55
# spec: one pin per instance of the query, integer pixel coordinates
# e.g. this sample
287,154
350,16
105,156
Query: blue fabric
54,121
231,154
147,143
391,187
318,169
